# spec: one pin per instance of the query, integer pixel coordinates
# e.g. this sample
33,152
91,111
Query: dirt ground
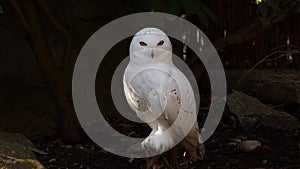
220,154
221,149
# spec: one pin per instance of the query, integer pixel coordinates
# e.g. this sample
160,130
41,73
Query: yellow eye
160,43
143,43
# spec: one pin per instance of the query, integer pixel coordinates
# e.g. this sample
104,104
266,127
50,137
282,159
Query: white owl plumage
158,92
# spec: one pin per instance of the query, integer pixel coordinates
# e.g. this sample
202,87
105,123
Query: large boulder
15,152
261,120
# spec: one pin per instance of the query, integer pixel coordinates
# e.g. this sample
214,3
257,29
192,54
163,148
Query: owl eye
160,43
143,43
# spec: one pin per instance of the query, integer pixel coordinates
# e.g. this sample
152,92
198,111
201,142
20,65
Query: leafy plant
276,7
203,13
37,151
1,10
176,7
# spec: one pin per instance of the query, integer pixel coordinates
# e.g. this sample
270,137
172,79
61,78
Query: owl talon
145,143
158,143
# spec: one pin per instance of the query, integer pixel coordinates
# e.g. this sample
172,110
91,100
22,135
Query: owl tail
194,145
196,152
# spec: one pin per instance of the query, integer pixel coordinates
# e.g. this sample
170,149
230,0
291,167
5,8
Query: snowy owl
157,91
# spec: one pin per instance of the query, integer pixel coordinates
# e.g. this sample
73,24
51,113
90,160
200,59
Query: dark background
40,40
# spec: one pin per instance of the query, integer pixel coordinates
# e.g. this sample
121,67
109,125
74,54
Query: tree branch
67,34
21,16
54,21
39,43
249,32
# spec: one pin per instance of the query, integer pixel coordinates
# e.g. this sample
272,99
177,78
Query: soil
221,149
221,153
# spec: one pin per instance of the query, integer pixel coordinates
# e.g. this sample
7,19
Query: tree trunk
66,119
56,80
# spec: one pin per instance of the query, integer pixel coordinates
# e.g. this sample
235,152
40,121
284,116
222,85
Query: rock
234,142
259,119
249,145
52,160
15,152
265,161
270,86
277,88
130,160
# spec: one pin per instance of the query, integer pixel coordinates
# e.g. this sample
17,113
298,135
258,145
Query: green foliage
37,151
263,9
176,7
276,7
203,13
1,10
170,6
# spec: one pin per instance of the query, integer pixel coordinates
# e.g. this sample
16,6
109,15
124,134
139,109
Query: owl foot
159,143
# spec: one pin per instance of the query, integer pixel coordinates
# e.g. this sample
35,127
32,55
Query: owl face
151,45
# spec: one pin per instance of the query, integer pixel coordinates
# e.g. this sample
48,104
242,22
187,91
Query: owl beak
152,54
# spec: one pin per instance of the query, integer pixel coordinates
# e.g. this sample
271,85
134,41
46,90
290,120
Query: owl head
150,45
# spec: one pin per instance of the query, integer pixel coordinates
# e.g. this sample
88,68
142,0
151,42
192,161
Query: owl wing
145,91
192,142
